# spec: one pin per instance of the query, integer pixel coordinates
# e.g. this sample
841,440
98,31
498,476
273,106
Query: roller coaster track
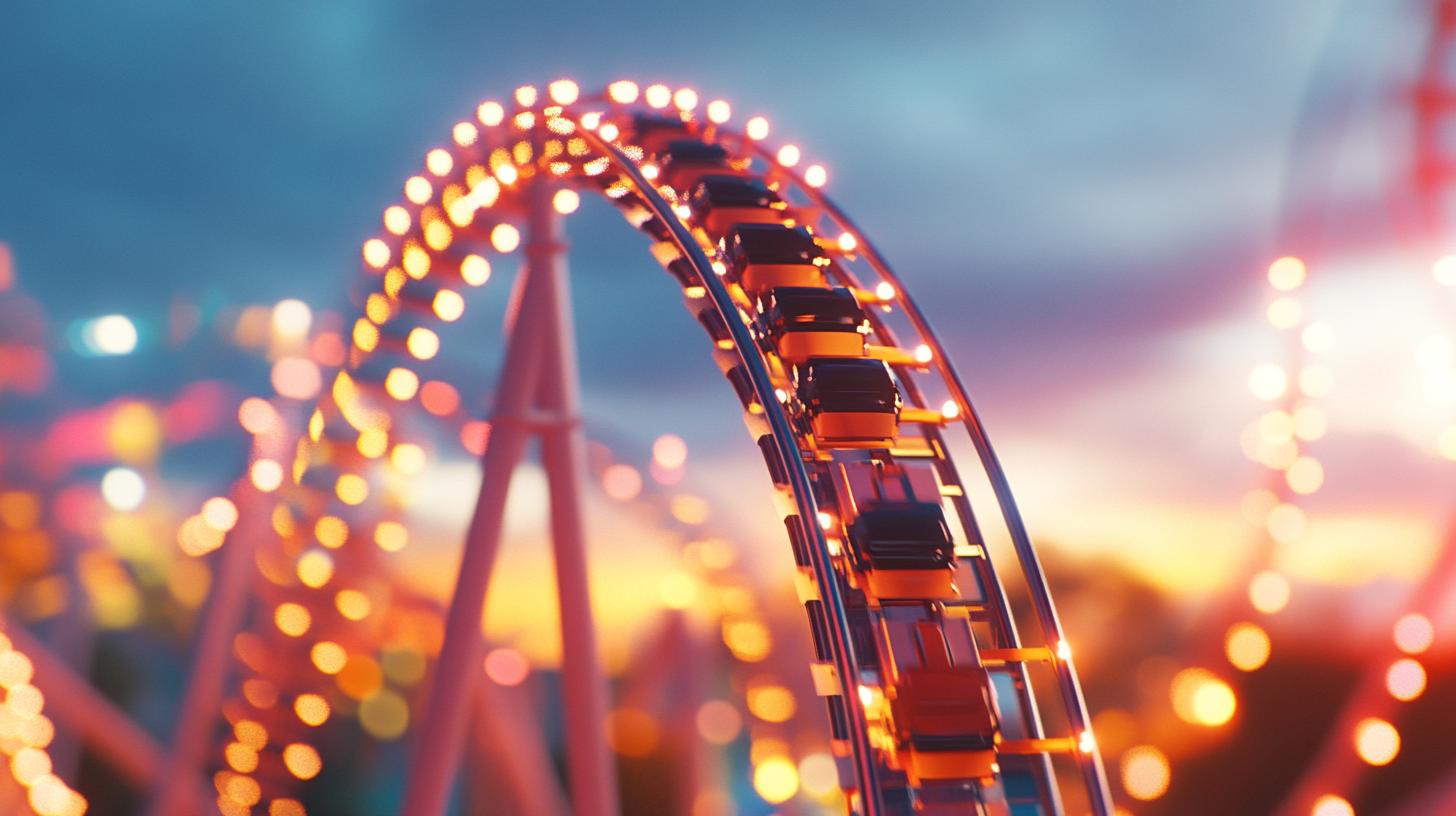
926,668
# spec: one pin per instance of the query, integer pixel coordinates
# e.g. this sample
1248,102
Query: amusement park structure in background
918,654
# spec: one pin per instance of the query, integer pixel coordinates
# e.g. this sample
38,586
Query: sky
1083,197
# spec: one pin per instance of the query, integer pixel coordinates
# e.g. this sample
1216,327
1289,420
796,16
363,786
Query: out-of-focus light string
1366,734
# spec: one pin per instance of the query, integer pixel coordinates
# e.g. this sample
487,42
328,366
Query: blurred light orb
670,451
776,779
1405,679
1202,698
109,335
384,715
1269,592
749,640
302,760
296,378
563,91
474,270
220,513
756,128
1247,646
507,667
1305,475
622,483
566,201
772,703
505,238
623,91
719,722
1414,634
1145,773
1331,805
1286,523
292,318
1287,273
1268,381
719,112
818,774
815,175
123,489
788,155
1444,270
657,96
490,113
1376,741
685,99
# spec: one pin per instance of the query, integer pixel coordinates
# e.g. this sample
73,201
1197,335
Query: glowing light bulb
1332,805
719,112
422,343
950,410
526,96
657,96
788,155
464,134
563,91
474,270
685,99
418,189
490,114
566,201
505,238
923,354
756,128
1376,741
507,174
448,305
397,221
884,291
623,91
439,162
815,175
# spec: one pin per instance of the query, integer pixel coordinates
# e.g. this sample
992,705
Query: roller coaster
925,667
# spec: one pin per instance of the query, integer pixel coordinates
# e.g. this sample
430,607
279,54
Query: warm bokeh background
1085,199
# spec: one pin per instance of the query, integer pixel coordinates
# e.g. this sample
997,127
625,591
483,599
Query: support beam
197,720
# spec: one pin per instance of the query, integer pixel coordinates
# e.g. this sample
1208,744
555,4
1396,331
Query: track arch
919,652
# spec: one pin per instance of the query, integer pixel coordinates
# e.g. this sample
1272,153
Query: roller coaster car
684,161
720,201
849,403
654,132
808,321
904,550
946,724
764,256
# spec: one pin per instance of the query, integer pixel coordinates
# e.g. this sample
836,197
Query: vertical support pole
590,765
436,756
197,720
505,737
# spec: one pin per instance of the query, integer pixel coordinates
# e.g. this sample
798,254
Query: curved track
925,666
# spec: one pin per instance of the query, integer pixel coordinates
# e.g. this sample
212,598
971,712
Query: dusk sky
1084,199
